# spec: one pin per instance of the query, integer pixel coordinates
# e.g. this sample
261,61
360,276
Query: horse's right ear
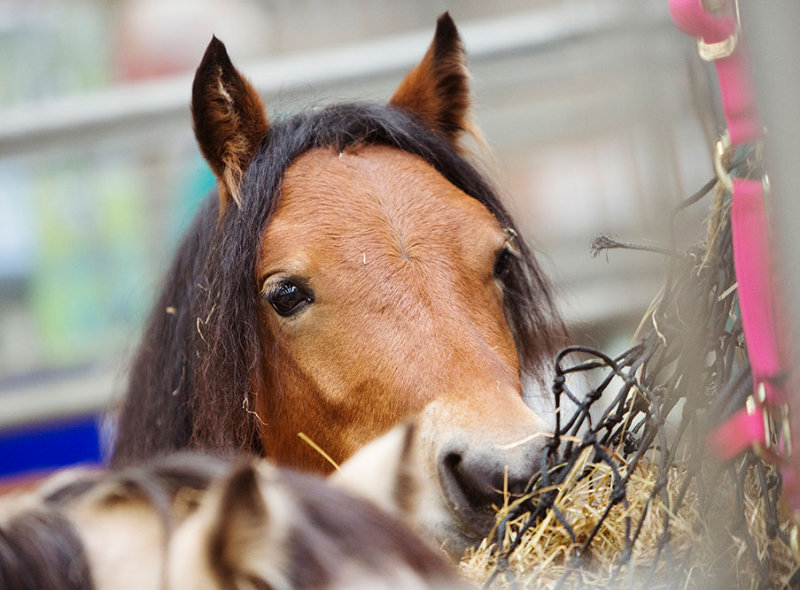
229,120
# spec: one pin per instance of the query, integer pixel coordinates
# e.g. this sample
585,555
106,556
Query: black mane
193,377
39,548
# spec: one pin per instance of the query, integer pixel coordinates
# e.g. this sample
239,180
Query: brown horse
355,270
196,522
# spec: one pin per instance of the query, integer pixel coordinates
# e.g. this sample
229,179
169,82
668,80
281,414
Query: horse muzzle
482,463
476,480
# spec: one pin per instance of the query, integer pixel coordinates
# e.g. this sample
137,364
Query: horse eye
287,298
502,263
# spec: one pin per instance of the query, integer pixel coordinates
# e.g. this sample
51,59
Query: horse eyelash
510,244
268,290
268,287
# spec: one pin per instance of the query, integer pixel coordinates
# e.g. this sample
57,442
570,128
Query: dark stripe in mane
40,549
193,378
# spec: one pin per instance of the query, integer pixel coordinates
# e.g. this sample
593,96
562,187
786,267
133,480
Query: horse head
355,271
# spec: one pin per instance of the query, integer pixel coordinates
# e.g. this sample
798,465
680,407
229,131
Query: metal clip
786,432
756,404
720,49
723,175
761,448
777,444
777,428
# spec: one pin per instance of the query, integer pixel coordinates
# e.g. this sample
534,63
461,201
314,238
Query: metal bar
88,392
130,108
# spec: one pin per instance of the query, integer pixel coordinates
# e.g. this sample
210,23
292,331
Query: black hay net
628,496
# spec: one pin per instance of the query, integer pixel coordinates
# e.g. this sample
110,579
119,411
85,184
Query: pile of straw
705,541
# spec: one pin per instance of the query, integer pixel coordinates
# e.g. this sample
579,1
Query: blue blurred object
52,445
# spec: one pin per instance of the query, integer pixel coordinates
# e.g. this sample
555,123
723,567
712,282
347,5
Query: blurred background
599,114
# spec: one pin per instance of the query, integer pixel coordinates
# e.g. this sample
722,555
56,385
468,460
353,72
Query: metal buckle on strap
720,49
723,175
761,447
777,443
746,165
786,432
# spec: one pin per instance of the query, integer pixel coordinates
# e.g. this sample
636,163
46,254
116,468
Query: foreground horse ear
244,537
437,90
229,120
387,472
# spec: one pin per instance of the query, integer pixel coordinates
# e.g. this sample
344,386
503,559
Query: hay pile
547,553
707,545
632,499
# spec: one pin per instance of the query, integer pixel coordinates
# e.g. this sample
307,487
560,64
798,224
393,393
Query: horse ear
229,120
387,472
437,90
233,535
245,537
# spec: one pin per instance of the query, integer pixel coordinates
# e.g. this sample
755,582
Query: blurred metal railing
132,109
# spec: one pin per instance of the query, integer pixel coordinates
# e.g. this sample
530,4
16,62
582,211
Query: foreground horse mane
41,549
194,376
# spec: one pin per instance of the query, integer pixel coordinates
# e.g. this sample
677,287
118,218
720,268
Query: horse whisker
522,441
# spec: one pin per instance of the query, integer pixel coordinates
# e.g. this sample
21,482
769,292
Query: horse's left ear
387,471
437,90
229,120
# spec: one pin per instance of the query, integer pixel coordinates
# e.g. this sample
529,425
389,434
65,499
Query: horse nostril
472,483
473,480
451,462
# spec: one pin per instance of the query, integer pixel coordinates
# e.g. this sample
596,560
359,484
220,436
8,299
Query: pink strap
738,99
691,18
751,244
751,259
738,433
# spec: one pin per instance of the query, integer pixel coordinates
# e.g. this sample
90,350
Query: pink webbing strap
737,434
751,260
719,41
